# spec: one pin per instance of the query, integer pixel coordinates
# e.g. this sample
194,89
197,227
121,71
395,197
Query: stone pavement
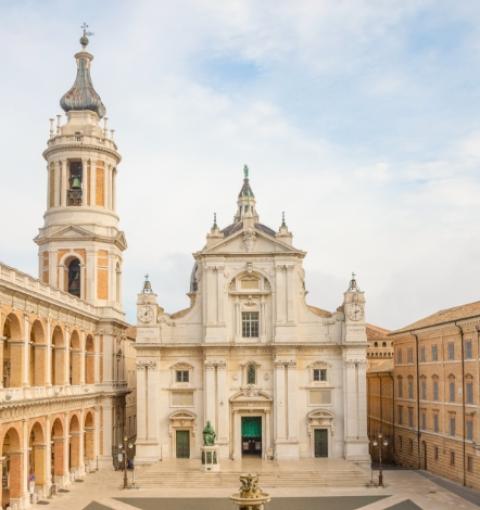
405,490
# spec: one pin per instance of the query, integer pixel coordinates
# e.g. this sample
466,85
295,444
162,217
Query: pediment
73,232
250,395
252,241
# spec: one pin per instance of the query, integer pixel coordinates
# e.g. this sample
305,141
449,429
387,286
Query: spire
214,226
246,200
82,95
147,286
283,225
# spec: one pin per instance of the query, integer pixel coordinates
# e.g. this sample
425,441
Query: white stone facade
250,347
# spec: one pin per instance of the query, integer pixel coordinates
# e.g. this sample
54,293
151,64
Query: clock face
145,314
355,313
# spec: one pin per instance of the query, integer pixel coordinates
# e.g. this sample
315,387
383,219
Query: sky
359,119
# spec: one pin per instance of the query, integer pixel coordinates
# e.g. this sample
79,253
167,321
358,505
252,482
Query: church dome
82,95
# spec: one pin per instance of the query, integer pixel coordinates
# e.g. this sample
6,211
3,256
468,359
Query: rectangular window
400,443
452,423
400,415
319,374
400,387
410,416
434,353
469,392
435,422
468,349
451,391
470,464
451,350
399,356
435,453
422,354
410,446
182,376
452,458
410,389
435,390
410,355
250,324
469,430
423,389
424,420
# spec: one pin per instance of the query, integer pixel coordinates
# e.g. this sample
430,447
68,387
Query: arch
89,360
89,438
58,449
75,359
251,274
57,357
72,283
12,478
12,364
37,355
37,456
74,443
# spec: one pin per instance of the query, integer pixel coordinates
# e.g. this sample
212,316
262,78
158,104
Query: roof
235,227
444,316
319,311
376,332
82,95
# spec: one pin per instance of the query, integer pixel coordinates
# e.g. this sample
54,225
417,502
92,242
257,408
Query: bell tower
80,244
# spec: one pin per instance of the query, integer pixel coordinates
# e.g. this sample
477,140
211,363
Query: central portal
252,435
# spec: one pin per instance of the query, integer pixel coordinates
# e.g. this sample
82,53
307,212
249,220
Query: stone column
107,406
82,354
24,439
81,446
222,408
64,181
48,360
2,339
280,429
97,358
148,446
48,454
291,410
66,357
209,392
26,353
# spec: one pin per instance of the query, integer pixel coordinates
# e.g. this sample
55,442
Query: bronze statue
208,435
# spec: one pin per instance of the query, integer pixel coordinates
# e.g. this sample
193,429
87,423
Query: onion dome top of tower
82,95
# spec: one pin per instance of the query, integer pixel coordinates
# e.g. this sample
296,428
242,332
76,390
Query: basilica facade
276,377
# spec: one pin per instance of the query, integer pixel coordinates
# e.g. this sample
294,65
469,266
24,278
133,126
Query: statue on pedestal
209,435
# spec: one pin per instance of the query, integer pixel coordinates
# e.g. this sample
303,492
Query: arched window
73,277
251,374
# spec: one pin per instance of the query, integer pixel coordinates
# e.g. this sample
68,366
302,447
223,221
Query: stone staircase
340,474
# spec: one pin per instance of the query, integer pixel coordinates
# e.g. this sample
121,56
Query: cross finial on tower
284,225
245,171
353,283
147,286
84,39
215,226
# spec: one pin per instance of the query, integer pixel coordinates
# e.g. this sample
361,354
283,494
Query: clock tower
80,244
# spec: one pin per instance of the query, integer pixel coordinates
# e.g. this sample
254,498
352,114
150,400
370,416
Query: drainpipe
392,441
418,399
464,446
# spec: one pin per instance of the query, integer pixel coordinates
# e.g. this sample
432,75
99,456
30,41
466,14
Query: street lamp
380,443
123,449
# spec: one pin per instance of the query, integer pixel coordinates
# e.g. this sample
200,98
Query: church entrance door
252,435
183,444
321,443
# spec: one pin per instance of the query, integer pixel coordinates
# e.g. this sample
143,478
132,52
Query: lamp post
123,448
380,442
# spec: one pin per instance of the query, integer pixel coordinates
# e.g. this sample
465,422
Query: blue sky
359,118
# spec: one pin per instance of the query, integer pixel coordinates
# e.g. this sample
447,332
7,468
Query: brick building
436,394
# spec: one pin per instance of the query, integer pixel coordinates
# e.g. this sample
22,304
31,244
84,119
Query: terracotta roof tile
447,315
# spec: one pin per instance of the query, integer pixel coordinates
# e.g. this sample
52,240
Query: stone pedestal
210,458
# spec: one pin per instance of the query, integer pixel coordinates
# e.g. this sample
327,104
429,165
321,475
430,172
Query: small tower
246,211
354,310
80,244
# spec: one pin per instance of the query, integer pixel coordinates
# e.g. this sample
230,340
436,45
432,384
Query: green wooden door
252,435
321,443
183,444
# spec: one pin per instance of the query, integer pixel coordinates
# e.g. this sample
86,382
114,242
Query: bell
76,184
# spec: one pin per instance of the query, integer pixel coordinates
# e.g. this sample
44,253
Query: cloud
367,137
